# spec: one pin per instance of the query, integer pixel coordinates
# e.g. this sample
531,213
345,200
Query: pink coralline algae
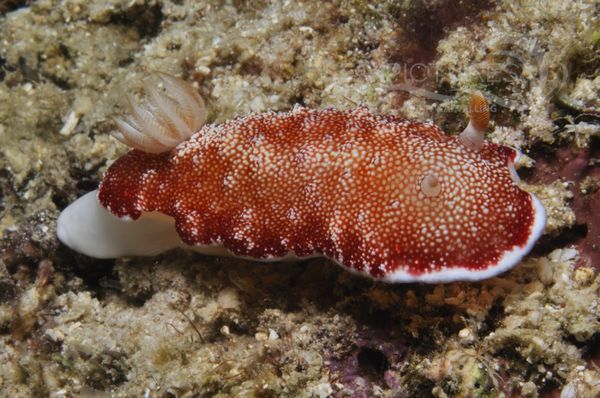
383,196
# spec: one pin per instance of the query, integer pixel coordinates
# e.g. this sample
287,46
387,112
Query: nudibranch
382,196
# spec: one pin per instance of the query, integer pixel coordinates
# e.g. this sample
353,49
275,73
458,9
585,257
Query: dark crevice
580,170
60,199
11,5
571,339
493,319
3,69
591,350
125,61
61,83
138,301
85,181
340,19
566,237
298,99
8,290
92,271
144,19
252,66
550,388
86,184
108,369
227,57
372,364
28,73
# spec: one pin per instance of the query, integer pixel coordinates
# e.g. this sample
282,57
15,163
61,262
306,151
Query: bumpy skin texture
348,184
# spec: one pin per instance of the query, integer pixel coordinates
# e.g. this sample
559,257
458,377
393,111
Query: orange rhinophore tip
480,111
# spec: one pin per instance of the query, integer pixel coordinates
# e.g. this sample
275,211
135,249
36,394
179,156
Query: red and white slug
386,197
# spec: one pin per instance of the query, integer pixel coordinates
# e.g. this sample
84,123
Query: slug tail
87,227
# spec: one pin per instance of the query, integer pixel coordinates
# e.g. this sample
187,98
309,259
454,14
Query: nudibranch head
393,199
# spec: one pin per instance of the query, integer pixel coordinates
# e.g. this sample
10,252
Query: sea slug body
383,196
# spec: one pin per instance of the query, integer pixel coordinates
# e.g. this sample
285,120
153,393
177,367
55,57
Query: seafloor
184,325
